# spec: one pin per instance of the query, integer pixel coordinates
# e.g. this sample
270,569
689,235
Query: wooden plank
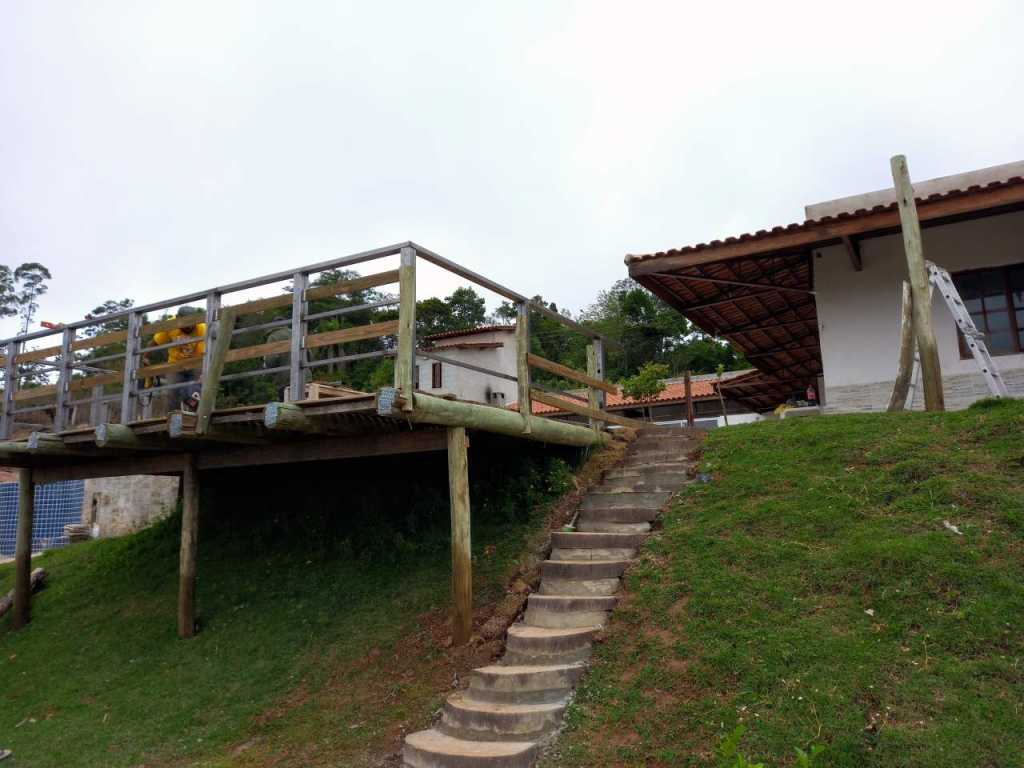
23,550
358,333
462,551
162,464
581,410
901,387
211,382
522,365
825,233
325,449
99,340
351,286
189,547
853,251
162,369
34,355
931,372
565,372
405,360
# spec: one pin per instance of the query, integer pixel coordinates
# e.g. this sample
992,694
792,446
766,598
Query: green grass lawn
813,594
308,655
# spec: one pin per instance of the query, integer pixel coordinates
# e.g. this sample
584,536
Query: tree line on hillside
646,330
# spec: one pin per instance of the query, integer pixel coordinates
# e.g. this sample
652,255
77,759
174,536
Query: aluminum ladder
941,281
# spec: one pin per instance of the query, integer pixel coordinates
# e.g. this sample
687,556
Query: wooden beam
462,551
821,233
405,360
740,283
351,286
124,437
535,361
181,425
931,373
23,550
189,546
161,464
289,417
905,370
581,410
48,444
356,333
853,251
453,413
522,365
211,381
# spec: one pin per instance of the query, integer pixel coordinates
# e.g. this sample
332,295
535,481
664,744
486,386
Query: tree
462,310
30,279
108,307
648,382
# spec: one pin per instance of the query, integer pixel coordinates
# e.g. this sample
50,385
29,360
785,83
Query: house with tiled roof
818,304
445,364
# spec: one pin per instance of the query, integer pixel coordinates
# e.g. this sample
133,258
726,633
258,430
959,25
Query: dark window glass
995,300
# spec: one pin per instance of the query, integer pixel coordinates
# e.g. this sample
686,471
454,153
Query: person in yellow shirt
192,350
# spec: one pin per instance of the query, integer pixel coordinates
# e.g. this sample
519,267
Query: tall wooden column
931,373
522,365
688,387
189,544
462,563
23,550
405,357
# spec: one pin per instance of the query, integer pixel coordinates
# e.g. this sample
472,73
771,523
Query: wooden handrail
569,373
582,410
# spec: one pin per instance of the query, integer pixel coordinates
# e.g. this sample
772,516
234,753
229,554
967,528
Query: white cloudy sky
151,149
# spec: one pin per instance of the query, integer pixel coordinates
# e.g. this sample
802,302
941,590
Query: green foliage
729,755
648,382
462,310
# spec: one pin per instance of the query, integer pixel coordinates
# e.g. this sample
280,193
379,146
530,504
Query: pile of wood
35,581
78,532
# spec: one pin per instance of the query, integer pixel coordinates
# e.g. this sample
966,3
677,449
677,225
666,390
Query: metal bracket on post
10,387
386,397
296,383
60,415
129,386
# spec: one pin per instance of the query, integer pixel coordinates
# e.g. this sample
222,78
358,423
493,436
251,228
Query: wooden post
934,400
296,376
462,562
215,367
129,385
592,393
189,489
10,387
62,412
405,358
688,387
901,387
522,364
721,401
23,551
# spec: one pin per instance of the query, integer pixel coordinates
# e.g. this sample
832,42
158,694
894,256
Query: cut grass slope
309,654
814,594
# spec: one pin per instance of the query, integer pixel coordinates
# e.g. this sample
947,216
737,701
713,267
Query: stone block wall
120,505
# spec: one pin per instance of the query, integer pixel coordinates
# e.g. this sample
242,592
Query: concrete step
650,499
618,515
433,749
526,644
652,457
645,470
603,526
582,569
524,684
646,483
568,610
579,587
594,553
466,718
579,540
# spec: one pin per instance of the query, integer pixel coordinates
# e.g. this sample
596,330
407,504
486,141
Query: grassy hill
814,594
324,625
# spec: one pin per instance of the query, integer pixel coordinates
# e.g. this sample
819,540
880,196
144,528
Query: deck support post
23,550
522,363
931,373
189,491
901,387
462,562
595,396
405,358
688,387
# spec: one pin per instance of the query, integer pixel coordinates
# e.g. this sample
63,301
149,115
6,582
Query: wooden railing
68,375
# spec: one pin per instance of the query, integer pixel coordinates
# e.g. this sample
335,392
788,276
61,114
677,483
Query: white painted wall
858,312
470,385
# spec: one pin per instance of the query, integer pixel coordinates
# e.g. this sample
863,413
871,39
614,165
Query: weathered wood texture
522,366
688,388
452,413
23,550
572,406
931,372
405,359
288,417
34,582
901,387
189,547
215,369
462,558
572,374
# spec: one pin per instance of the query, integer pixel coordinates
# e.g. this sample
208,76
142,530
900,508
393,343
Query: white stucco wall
470,385
858,312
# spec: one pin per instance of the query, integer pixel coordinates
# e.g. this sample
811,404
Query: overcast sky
152,149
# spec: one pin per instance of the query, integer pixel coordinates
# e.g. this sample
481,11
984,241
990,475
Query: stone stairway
502,719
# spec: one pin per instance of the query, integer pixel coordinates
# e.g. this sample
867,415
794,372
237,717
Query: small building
817,304
488,346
